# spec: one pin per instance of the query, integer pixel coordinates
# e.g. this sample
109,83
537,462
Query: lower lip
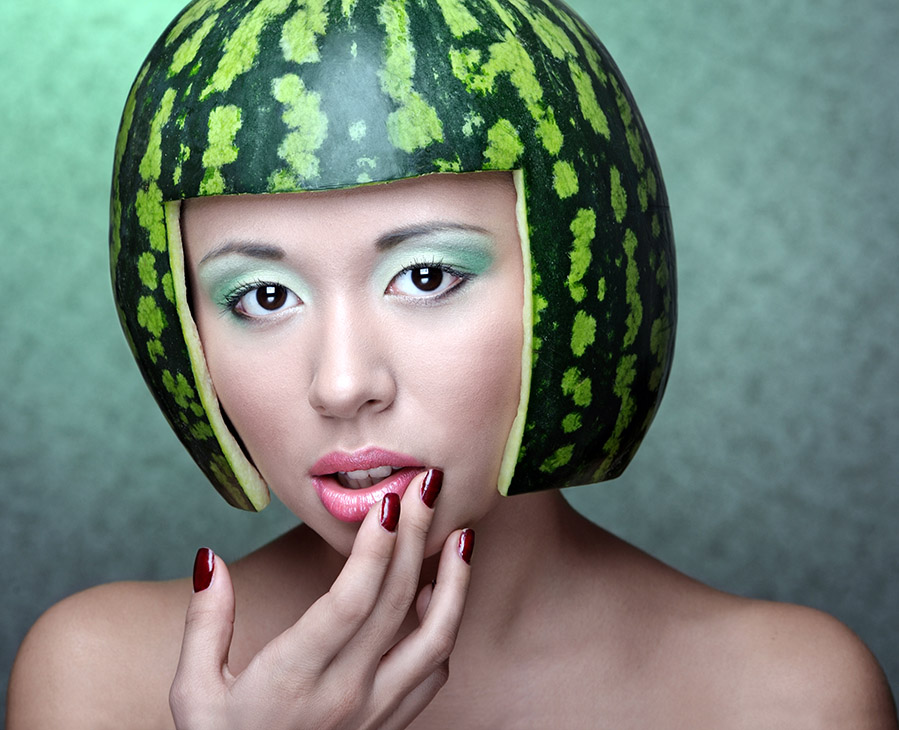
351,505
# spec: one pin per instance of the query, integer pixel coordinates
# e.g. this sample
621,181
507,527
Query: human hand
337,666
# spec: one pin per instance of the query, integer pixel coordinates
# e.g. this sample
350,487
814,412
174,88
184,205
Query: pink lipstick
349,483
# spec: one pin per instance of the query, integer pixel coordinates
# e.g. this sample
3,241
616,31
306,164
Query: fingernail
203,567
430,487
466,545
390,511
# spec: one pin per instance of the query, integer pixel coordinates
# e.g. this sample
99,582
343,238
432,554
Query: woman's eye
429,281
265,300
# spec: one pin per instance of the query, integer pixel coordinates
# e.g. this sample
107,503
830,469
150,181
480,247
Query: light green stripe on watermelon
658,345
179,388
510,57
146,270
619,194
579,387
635,317
148,201
299,38
457,17
473,121
584,229
589,104
504,146
196,11
633,135
120,146
580,32
150,316
224,123
242,47
304,115
151,162
624,379
565,179
583,333
550,34
168,287
187,51
647,188
504,15
415,124
560,458
572,422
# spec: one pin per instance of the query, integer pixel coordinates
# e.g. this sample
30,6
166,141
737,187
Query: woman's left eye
422,281
264,300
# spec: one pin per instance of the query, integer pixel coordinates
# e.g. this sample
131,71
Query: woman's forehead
484,200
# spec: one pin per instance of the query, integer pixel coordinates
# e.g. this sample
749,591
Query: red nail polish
430,487
203,567
466,544
390,511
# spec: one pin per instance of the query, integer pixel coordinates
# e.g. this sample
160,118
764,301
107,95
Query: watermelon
269,96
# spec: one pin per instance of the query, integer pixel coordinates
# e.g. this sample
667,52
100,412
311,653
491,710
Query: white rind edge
252,483
516,434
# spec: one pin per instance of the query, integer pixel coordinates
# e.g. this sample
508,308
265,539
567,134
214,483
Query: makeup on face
424,264
398,349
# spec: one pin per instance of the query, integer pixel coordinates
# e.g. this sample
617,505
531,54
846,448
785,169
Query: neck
519,548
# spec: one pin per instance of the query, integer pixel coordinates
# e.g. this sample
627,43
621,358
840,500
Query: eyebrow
385,242
246,248
395,238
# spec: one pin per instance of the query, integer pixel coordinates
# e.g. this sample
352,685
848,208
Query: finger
429,646
401,582
208,629
424,600
414,702
335,618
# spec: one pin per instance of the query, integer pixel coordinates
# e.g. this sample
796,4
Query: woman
446,338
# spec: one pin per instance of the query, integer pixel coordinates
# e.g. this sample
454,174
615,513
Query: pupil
271,297
427,278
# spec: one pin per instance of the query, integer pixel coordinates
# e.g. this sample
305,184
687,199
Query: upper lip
361,459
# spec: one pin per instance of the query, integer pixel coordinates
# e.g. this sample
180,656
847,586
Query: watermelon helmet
268,96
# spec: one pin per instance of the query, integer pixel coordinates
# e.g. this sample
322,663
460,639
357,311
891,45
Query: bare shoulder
101,655
805,668
711,659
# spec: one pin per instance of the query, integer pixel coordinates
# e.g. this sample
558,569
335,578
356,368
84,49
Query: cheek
478,376
248,381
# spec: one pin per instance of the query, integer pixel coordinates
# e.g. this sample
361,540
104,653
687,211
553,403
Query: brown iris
427,278
271,297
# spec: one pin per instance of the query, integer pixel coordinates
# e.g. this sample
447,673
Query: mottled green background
773,466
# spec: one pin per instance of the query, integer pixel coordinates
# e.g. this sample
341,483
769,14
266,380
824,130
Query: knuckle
440,644
350,607
188,705
398,595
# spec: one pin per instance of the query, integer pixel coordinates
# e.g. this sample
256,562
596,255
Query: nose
352,373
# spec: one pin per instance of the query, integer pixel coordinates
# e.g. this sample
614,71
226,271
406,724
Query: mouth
364,478
349,484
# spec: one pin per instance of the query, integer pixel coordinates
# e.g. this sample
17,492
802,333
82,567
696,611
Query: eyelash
231,301
463,276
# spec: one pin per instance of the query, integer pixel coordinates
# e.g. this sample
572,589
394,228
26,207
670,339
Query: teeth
363,478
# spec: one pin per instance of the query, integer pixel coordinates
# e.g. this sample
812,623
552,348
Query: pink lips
351,505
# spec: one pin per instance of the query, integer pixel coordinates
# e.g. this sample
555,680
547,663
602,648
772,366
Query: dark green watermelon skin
275,95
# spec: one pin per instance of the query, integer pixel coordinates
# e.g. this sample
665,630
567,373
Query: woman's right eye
264,300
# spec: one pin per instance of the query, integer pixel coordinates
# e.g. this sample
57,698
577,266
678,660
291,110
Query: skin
556,622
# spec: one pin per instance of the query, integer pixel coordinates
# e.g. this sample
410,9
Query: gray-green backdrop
773,466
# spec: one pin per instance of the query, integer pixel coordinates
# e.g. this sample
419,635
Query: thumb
208,627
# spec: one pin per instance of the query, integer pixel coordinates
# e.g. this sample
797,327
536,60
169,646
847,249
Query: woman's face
358,337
